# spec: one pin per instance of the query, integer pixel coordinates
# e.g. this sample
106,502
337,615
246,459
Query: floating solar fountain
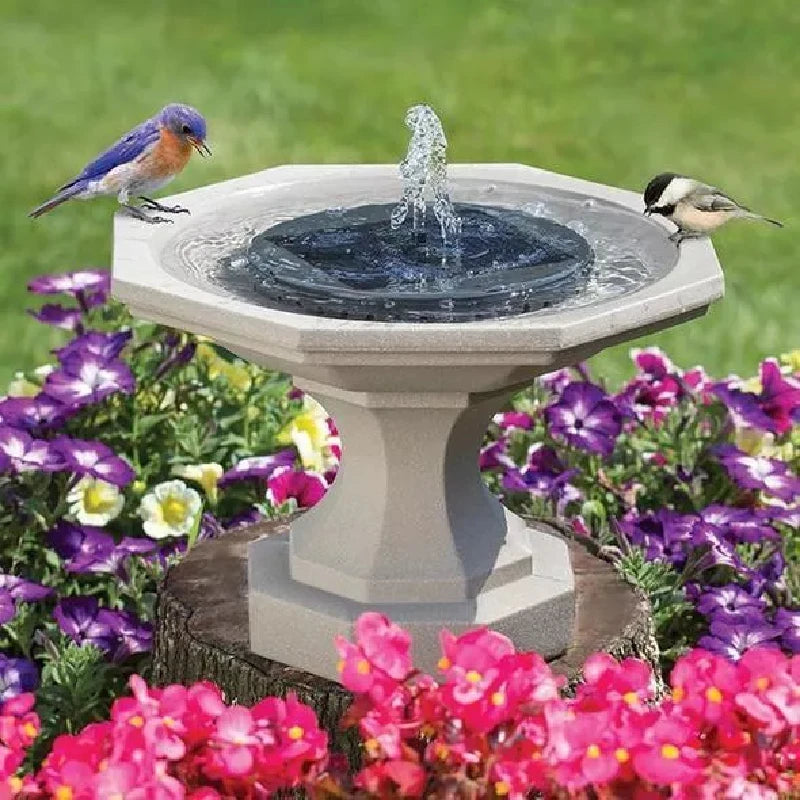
412,322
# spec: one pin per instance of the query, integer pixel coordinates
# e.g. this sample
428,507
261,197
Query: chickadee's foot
137,212
154,205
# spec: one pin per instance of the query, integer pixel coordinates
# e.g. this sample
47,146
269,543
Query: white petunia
171,509
94,501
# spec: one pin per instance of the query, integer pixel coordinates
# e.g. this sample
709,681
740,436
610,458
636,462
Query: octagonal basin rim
154,292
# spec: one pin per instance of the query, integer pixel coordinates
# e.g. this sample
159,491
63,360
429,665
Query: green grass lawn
609,90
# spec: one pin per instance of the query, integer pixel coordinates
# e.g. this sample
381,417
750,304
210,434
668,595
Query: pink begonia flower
385,644
392,779
236,735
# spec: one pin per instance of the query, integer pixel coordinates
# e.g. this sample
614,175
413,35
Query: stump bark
202,628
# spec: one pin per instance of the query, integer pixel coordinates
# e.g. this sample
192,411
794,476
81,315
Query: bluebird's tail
65,194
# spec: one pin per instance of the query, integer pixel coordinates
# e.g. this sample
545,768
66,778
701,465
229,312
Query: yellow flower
751,385
762,444
206,475
20,386
309,433
95,502
235,374
792,360
171,509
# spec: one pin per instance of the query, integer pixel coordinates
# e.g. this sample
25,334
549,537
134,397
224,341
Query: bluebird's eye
186,129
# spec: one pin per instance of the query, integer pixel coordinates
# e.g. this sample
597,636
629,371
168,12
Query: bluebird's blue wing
125,149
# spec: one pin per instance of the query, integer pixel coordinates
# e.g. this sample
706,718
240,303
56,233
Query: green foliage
77,687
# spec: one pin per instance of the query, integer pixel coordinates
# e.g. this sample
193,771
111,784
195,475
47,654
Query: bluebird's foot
154,205
139,214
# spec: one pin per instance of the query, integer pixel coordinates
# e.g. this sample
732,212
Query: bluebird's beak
200,146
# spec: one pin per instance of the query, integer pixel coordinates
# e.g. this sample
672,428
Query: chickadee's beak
648,211
200,146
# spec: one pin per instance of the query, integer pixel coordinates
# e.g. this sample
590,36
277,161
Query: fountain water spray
424,171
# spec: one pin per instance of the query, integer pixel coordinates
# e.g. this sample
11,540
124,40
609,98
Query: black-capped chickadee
696,208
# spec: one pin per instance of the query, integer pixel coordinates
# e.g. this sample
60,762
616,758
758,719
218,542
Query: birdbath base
410,530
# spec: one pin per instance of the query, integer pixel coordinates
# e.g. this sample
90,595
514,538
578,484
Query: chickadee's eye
186,129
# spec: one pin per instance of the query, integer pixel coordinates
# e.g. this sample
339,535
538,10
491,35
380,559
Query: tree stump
201,630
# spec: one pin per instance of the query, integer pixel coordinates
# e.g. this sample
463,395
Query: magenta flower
305,487
31,413
513,421
774,409
27,454
69,319
585,418
257,467
95,459
757,472
87,379
84,280
104,346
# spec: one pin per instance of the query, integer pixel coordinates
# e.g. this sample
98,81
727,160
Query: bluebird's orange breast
169,156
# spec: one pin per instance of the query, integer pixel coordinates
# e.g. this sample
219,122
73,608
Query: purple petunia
740,524
758,472
88,549
543,474
495,456
95,459
664,535
585,418
306,488
27,454
84,280
13,590
85,548
17,676
132,634
555,382
732,639
30,413
775,408
70,319
728,603
788,622
80,619
257,467
85,379
94,343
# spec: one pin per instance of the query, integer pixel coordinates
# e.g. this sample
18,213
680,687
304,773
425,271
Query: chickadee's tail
752,215
65,194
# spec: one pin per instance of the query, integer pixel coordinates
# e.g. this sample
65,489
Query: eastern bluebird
142,161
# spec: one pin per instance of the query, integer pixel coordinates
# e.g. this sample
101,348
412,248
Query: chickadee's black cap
656,187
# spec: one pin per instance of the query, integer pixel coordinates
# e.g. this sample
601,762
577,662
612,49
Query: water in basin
497,255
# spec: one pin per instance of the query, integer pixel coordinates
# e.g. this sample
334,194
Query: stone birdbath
408,527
